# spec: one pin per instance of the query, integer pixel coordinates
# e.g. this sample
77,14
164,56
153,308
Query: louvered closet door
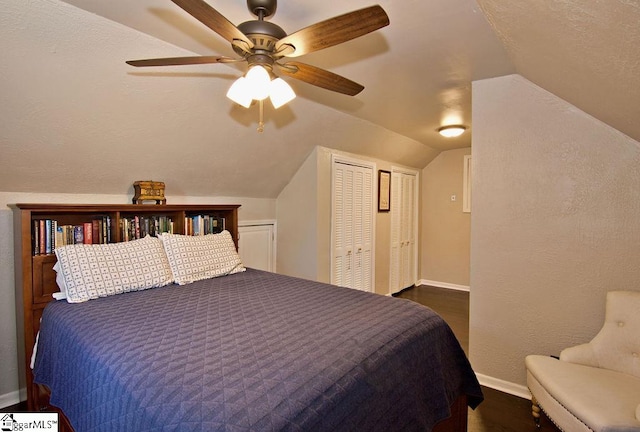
363,234
352,226
402,273
342,231
407,230
395,284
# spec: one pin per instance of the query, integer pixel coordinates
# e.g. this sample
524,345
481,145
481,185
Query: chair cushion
617,344
604,400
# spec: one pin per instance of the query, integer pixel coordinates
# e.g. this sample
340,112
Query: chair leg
535,411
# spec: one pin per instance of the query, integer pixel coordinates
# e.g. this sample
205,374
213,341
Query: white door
403,266
408,231
256,245
352,233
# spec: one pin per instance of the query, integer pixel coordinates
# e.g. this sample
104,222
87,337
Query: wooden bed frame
36,282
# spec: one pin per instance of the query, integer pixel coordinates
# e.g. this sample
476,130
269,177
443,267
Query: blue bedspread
253,351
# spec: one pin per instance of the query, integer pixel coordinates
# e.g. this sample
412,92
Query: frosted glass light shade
257,84
451,131
280,92
259,79
240,92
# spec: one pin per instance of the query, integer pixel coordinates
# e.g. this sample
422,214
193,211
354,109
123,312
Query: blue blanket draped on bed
253,351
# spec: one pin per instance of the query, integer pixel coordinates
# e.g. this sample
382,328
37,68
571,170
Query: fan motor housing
263,34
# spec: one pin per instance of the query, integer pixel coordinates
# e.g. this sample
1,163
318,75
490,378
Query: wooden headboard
34,261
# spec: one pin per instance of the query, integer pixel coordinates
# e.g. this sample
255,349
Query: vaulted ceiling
76,118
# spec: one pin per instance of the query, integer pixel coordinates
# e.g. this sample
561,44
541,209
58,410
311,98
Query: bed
253,351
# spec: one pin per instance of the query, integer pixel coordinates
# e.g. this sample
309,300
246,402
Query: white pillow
61,283
90,271
194,258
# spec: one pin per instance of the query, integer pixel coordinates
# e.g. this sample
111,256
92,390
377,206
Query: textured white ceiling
76,118
586,52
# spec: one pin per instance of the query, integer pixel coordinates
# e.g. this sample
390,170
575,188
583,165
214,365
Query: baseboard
504,386
444,285
13,398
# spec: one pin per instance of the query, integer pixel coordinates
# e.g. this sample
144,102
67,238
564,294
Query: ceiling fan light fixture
240,92
262,44
260,82
451,131
280,92
257,85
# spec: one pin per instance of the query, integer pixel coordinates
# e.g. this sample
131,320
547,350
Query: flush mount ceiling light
265,47
452,131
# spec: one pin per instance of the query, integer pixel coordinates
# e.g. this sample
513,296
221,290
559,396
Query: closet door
342,227
352,242
402,272
395,284
362,229
408,231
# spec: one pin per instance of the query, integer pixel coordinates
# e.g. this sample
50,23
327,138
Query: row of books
47,234
203,224
137,227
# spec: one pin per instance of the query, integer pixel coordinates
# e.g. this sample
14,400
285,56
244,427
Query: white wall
555,224
10,379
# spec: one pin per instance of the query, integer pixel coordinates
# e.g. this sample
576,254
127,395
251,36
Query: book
54,230
35,238
78,234
47,236
43,237
105,230
124,229
136,222
87,228
60,236
95,231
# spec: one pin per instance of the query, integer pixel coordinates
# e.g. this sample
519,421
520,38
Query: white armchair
594,386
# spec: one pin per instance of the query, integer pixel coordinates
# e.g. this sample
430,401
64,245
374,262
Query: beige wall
297,215
445,230
251,209
556,199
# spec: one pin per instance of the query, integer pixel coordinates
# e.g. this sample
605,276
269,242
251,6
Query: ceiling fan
265,47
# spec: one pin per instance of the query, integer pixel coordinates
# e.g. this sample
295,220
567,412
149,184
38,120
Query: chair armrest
580,354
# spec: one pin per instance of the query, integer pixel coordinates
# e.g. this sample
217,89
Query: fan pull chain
261,120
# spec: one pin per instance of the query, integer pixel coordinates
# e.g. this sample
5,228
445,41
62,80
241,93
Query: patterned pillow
194,258
99,270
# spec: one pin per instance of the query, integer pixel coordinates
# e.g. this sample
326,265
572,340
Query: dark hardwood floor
500,412
20,407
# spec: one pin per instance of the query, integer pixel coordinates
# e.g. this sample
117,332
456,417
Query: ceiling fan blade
320,77
333,31
213,19
177,61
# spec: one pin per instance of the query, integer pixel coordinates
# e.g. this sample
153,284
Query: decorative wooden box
147,190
